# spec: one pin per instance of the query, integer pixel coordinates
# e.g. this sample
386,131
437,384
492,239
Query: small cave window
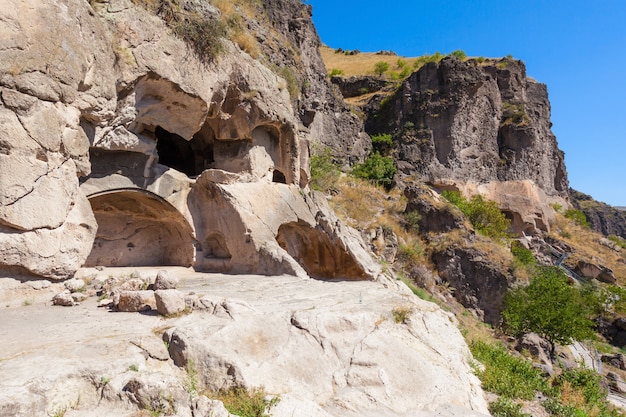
278,176
175,152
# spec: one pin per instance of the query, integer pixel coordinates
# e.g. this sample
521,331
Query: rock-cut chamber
138,228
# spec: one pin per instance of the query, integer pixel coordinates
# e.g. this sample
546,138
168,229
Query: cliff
141,134
602,218
472,121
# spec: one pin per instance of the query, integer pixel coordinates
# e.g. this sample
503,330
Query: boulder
134,301
165,281
205,407
74,285
536,345
617,360
615,382
63,299
169,302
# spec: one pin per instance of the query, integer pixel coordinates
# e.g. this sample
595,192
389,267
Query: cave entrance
316,253
190,157
139,228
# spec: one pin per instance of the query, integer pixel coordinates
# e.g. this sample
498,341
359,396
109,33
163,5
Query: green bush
334,72
549,306
505,374
459,54
577,217
381,67
523,255
324,171
382,143
484,215
505,407
377,168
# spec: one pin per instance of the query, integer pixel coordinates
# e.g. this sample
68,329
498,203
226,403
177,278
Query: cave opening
320,257
139,228
279,177
190,157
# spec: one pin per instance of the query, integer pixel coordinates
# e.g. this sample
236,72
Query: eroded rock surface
326,348
111,128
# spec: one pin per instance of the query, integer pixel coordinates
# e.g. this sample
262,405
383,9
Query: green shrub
523,255
381,67
247,403
484,215
550,307
324,171
505,374
505,407
377,168
401,63
382,143
459,54
577,217
334,72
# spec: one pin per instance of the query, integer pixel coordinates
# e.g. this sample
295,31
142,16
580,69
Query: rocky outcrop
479,284
603,218
331,349
116,139
320,107
470,121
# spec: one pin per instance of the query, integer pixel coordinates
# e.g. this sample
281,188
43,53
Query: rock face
117,143
602,217
465,122
479,284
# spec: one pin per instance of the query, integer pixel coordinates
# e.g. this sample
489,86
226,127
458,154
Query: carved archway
139,228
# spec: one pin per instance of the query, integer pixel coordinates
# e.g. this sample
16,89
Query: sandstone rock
588,269
134,301
165,281
156,391
169,302
79,297
607,276
204,407
153,347
358,86
39,284
63,299
74,285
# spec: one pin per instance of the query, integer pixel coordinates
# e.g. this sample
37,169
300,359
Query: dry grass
586,245
362,204
362,63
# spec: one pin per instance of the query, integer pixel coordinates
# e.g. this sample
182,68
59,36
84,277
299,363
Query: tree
381,67
549,306
377,168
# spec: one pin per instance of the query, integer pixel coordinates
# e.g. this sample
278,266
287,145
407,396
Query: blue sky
577,48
